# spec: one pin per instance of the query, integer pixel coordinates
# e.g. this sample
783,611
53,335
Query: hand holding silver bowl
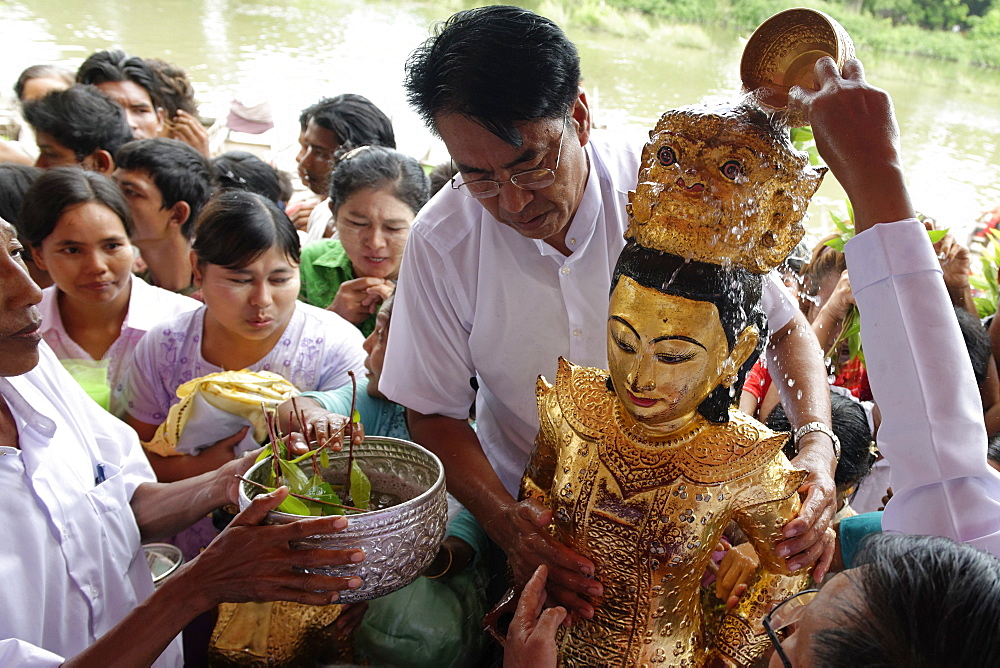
400,537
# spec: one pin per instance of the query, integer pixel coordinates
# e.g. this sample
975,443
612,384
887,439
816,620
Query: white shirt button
572,241
565,270
93,591
577,332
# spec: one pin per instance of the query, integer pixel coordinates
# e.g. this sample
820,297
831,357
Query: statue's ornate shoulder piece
537,477
584,399
730,450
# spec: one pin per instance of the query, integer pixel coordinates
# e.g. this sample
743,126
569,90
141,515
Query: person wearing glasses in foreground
80,498
912,600
510,268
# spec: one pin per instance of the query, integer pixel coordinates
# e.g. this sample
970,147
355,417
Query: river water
291,52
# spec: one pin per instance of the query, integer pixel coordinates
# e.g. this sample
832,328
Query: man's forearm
800,376
163,509
471,478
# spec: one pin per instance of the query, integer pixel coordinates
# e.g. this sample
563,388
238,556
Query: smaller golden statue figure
645,465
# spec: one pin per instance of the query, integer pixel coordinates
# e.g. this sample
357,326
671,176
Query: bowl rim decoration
245,499
779,34
399,541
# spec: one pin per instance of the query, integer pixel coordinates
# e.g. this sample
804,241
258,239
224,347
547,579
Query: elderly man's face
823,612
19,316
537,214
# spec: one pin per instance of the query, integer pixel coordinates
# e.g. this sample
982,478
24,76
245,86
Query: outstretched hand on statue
858,138
809,539
525,539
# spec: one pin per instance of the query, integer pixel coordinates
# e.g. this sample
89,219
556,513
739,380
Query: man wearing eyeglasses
510,268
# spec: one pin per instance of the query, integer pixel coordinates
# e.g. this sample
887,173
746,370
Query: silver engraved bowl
399,541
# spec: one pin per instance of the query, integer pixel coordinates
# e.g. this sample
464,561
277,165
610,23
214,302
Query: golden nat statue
646,464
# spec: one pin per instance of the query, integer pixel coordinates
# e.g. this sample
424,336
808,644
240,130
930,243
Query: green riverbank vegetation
964,31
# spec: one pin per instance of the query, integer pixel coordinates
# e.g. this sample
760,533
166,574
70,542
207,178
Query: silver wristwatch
810,427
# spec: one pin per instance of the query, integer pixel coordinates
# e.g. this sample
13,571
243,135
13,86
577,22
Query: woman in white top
79,225
245,258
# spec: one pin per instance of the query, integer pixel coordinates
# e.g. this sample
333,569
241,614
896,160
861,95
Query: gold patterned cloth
279,633
649,515
218,405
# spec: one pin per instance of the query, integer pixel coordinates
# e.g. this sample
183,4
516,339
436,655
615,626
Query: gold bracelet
451,558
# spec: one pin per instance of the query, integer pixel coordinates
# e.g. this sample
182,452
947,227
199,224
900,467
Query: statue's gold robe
649,514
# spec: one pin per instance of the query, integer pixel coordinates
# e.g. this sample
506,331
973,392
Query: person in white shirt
932,431
77,590
79,229
510,267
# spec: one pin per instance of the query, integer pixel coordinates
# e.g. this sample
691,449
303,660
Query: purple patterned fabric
315,353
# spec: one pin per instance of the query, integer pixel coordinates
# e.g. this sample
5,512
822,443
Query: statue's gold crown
722,185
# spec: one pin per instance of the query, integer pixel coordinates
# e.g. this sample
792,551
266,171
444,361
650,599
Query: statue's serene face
665,354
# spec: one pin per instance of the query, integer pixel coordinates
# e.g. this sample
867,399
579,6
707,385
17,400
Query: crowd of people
138,262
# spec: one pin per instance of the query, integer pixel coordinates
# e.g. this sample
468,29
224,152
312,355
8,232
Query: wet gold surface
649,514
685,203
783,51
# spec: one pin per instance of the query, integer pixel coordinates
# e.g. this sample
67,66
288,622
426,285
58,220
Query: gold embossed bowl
783,50
399,540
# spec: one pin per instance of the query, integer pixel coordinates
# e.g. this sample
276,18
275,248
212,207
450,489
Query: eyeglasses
784,615
532,179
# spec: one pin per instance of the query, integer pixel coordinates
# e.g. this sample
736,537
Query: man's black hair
921,602
173,88
850,424
81,118
180,172
245,171
498,65
993,448
116,65
353,119
977,343
15,179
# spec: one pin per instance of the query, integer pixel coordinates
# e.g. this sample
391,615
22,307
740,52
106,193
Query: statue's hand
521,530
735,571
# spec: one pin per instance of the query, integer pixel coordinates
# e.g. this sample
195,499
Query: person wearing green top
375,193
